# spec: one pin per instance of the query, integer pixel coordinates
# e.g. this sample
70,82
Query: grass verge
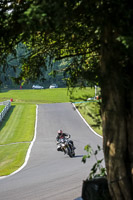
12,157
91,113
16,133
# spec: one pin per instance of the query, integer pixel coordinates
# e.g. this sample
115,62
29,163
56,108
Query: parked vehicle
37,87
53,86
66,146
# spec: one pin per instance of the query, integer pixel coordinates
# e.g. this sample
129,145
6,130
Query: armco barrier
4,111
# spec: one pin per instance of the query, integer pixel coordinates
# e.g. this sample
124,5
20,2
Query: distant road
51,175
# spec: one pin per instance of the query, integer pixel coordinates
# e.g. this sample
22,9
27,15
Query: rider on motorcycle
63,135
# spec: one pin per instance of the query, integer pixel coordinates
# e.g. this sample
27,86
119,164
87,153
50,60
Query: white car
37,87
53,86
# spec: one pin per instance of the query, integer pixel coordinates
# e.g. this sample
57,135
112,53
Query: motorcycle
66,146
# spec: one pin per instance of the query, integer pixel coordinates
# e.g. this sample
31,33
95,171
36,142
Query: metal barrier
4,111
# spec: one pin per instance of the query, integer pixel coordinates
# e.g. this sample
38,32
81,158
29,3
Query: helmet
60,132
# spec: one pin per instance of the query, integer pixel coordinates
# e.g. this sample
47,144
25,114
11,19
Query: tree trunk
117,119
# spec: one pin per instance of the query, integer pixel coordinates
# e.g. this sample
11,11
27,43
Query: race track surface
51,175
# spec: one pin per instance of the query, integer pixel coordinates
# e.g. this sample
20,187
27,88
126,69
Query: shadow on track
78,156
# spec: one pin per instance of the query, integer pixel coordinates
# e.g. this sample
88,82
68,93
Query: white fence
4,111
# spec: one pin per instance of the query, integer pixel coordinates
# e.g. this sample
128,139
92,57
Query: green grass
16,133
12,157
57,95
17,128
91,112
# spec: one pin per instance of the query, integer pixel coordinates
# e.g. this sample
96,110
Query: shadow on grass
7,116
4,90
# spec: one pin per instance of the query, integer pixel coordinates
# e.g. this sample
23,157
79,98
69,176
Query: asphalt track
51,175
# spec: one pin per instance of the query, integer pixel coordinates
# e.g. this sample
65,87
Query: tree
97,36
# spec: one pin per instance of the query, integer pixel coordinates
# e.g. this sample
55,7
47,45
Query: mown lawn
18,126
16,134
12,157
57,95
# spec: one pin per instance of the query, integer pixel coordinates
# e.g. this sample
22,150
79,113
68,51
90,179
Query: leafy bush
97,170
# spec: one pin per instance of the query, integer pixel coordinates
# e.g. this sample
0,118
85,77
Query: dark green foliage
66,29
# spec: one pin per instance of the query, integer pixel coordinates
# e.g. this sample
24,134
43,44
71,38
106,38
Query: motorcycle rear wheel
70,153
